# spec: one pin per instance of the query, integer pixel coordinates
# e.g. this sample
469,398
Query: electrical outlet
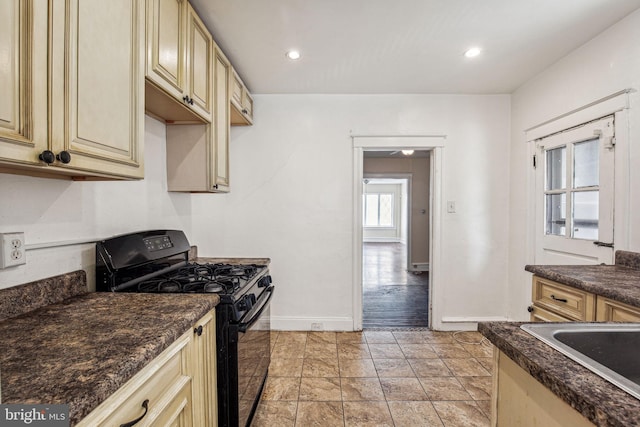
317,327
12,251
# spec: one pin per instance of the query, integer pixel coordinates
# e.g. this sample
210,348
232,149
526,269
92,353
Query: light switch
451,206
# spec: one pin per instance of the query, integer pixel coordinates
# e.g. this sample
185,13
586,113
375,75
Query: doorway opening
435,145
395,239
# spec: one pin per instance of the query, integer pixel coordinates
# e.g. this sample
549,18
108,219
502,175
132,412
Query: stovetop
223,279
157,261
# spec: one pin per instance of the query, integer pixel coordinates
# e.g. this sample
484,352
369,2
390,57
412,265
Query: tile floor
377,378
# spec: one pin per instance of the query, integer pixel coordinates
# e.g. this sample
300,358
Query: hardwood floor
392,297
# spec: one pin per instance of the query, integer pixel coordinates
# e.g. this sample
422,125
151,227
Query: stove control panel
157,243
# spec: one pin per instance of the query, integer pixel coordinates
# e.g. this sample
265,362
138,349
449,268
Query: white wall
291,198
59,211
607,64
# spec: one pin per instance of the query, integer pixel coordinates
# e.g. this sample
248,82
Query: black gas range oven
158,261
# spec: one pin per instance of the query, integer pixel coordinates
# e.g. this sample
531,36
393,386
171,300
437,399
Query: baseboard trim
419,266
466,323
290,323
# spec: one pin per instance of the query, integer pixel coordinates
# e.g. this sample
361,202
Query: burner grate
201,278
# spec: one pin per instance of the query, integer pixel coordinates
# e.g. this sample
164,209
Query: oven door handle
242,327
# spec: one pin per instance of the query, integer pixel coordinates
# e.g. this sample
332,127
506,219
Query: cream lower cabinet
204,372
519,400
177,388
613,311
82,113
555,302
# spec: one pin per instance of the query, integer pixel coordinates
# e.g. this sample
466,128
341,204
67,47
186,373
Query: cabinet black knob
187,100
530,309
64,157
244,111
215,186
198,330
47,156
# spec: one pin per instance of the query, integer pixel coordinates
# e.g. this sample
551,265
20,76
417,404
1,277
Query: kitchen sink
611,350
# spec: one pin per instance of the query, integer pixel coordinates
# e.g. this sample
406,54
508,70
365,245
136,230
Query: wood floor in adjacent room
392,296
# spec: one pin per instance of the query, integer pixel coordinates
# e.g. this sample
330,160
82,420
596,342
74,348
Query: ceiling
401,46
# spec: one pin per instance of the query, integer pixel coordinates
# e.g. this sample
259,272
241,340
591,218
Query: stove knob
264,281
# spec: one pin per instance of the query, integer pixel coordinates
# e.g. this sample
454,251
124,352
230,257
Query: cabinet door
199,66
241,102
518,399
204,363
247,105
98,85
23,81
612,311
166,45
222,130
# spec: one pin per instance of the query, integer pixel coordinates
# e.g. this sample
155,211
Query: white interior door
575,195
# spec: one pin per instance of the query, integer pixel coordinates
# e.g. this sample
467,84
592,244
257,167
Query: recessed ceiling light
293,54
407,152
473,52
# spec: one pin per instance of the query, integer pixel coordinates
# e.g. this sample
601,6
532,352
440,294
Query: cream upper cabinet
221,160
241,102
23,82
166,45
198,154
178,63
97,86
73,70
199,66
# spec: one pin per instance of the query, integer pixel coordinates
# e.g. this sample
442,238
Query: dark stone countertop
595,398
81,350
618,282
21,299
